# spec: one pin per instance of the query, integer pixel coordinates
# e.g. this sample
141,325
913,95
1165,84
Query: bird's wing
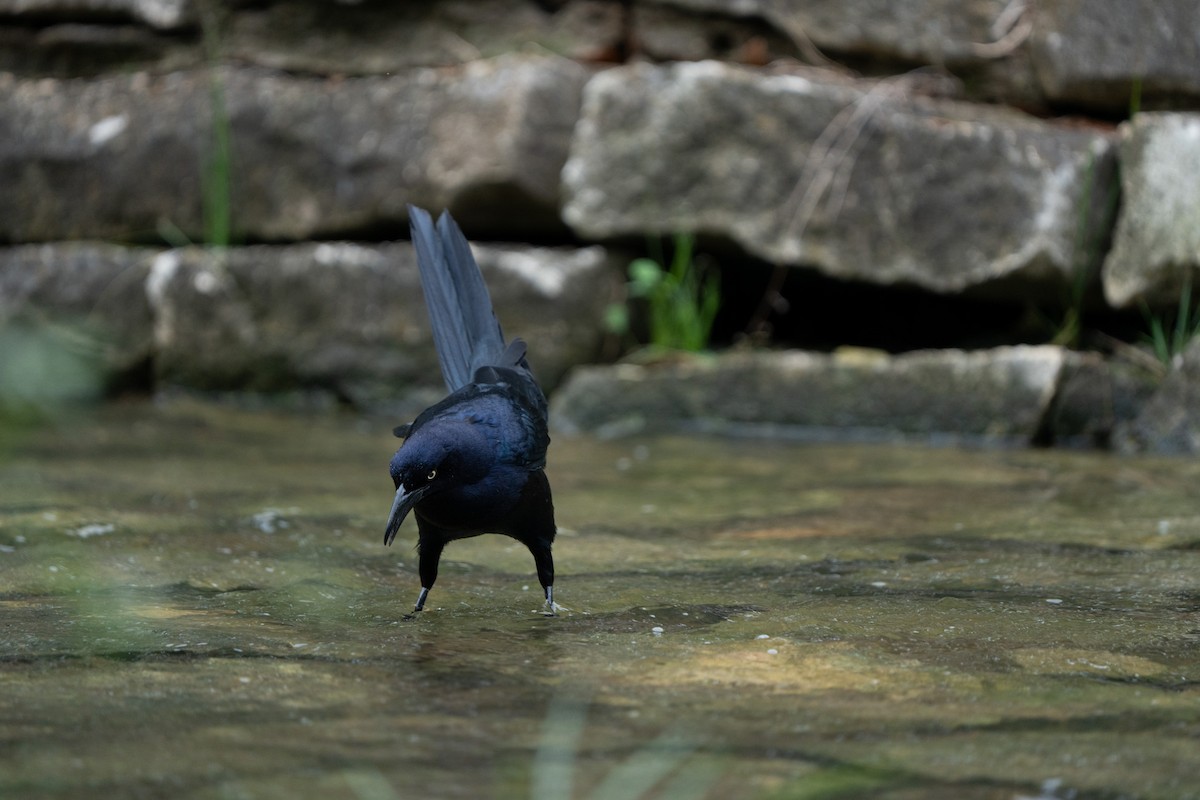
515,417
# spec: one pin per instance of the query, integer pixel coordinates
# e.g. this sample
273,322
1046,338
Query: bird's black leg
543,559
420,602
430,553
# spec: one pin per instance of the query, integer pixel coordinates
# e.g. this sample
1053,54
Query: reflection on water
196,602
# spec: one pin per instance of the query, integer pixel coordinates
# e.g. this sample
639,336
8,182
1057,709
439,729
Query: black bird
473,463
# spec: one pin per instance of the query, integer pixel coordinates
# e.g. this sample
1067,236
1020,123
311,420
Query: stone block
378,38
862,181
95,291
920,31
1169,422
1157,239
162,14
1091,54
351,318
128,156
1003,393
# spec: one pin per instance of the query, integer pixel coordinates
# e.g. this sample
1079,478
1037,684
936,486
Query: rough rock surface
1060,52
681,31
1169,422
121,157
1063,51
74,49
96,290
926,31
1096,398
154,13
1002,393
859,180
378,38
66,38
1157,237
341,317
1091,54
341,112
981,43
352,318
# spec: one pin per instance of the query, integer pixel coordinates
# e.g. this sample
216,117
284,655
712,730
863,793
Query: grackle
472,463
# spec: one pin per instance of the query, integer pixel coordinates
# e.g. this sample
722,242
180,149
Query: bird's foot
420,604
551,608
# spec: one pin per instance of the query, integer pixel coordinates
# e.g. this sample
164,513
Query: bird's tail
465,330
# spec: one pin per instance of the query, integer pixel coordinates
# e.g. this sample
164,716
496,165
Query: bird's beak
403,503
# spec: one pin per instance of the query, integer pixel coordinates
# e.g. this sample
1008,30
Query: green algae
197,603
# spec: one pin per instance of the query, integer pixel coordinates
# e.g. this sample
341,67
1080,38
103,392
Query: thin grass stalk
217,184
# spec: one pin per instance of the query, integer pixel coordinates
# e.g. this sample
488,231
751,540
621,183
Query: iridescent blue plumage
473,462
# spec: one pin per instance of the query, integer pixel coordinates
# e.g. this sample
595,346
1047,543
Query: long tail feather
465,330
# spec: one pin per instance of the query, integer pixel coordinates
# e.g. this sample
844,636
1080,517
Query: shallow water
197,603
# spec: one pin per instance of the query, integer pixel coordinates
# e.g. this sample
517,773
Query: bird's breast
480,507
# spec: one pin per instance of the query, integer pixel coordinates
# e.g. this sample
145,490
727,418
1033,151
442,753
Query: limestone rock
302,37
1169,423
691,32
73,49
1096,397
1053,51
1002,393
164,14
377,38
982,43
1091,54
93,290
335,316
351,318
925,31
1157,239
861,181
127,156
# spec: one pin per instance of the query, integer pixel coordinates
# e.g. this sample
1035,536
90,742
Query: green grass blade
553,774
681,300
217,182
636,776
1179,338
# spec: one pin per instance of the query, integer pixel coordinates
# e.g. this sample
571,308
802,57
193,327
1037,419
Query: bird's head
433,459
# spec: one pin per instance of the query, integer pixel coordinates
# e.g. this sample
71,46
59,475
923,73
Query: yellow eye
432,474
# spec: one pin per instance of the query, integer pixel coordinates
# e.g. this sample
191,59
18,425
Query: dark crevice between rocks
488,214
135,380
504,211
42,47
799,307
80,15
1046,435
808,310
1093,101
815,312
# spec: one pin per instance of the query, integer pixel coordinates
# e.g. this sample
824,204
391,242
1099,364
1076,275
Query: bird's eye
432,474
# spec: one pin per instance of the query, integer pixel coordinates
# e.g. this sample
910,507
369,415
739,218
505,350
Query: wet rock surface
197,603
